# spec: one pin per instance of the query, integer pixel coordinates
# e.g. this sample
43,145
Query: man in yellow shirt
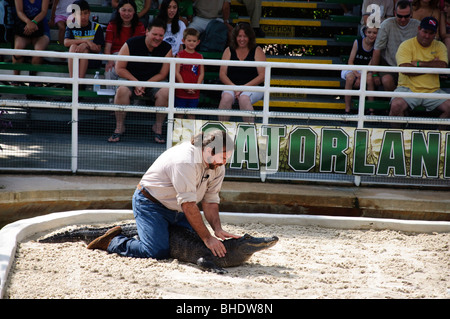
421,51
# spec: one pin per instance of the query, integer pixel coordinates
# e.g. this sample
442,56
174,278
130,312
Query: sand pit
307,262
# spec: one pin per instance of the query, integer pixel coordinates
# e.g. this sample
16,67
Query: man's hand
224,235
216,246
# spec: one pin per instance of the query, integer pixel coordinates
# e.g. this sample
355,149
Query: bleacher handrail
266,88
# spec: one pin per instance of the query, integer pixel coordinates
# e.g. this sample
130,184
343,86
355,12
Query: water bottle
96,86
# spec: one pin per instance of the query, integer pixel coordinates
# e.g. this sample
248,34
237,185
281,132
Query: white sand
307,262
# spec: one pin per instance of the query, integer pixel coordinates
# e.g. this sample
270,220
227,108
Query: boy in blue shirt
84,37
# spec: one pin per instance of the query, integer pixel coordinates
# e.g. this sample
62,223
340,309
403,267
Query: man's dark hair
83,4
403,4
157,23
215,139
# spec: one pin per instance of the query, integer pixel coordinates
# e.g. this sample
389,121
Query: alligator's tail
86,234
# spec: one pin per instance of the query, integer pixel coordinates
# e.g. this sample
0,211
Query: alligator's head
248,244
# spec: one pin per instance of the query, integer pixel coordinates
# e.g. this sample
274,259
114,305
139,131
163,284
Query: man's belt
148,195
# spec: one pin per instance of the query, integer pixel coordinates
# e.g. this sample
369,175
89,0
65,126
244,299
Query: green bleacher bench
345,38
51,47
342,18
53,68
51,91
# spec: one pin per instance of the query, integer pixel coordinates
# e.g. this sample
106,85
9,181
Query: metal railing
266,114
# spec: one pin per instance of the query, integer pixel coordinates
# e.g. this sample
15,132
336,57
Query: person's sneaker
103,241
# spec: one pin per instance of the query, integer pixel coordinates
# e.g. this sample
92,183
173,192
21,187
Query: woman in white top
168,12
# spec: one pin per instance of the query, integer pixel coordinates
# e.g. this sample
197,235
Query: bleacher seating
296,32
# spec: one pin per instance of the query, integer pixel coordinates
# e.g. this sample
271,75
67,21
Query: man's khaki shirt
180,175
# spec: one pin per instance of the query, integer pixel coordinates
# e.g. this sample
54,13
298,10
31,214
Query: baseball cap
429,23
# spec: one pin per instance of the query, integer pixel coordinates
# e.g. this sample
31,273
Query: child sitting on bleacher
59,17
361,54
87,38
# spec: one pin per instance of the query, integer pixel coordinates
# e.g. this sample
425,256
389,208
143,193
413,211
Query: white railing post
75,90
361,110
171,104
266,112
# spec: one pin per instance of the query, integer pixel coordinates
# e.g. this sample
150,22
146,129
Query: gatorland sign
342,150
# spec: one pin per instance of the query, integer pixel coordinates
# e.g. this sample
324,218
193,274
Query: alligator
185,245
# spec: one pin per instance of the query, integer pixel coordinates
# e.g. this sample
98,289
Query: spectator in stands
444,25
189,73
124,26
168,12
207,10
87,38
242,48
386,10
142,9
151,44
59,17
392,33
426,8
31,28
254,8
421,51
361,54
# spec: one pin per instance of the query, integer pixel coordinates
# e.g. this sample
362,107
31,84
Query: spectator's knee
398,107
226,99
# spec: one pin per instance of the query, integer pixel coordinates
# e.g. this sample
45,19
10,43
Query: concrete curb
16,232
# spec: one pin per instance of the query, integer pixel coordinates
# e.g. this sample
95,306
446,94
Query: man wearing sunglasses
392,33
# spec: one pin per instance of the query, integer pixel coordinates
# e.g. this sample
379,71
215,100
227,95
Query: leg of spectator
226,102
444,108
246,105
161,99
398,108
72,49
83,65
388,82
61,31
349,81
254,9
40,44
20,43
122,97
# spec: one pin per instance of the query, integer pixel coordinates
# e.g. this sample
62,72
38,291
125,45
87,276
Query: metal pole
171,105
75,77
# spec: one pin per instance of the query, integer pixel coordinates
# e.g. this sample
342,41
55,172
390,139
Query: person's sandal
160,138
115,137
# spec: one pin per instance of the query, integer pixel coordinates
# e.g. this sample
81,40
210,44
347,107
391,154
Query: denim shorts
186,103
